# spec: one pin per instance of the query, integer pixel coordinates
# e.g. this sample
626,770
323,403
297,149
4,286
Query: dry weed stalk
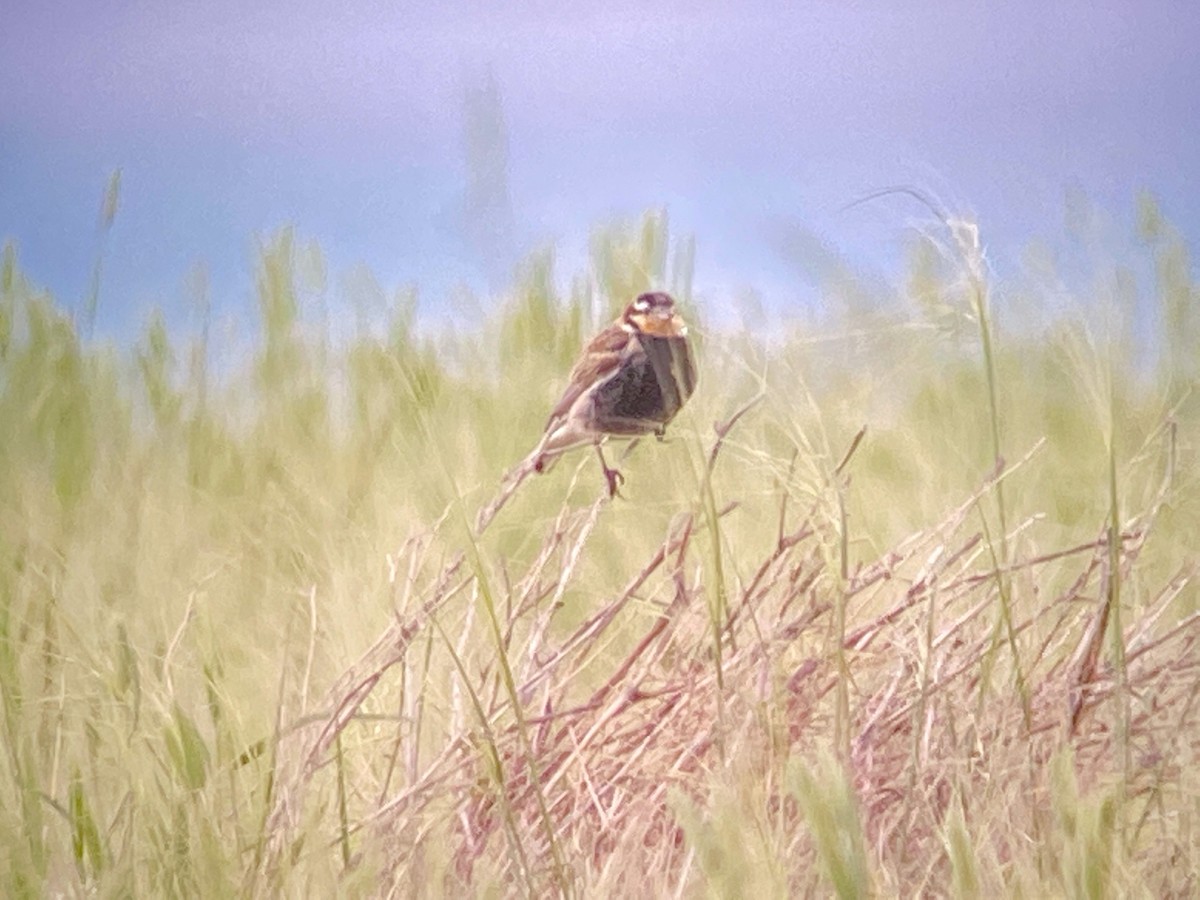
609,758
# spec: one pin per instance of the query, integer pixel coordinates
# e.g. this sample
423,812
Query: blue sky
741,119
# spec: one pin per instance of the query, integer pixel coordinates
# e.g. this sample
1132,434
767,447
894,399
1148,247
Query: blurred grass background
188,538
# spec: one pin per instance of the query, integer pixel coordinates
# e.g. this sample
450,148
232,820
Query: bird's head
654,314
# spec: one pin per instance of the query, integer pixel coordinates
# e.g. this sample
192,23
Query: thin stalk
719,603
1003,627
268,802
919,711
1121,726
966,238
343,818
1000,561
495,765
842,689
510,688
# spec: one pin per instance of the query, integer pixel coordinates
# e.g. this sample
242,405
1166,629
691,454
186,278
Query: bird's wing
600,360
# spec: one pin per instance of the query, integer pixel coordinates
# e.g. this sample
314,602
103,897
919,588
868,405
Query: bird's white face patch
654,303
654,314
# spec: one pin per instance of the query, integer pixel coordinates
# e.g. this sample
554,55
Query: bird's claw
615,479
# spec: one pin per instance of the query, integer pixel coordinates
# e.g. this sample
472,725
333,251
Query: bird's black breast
648,389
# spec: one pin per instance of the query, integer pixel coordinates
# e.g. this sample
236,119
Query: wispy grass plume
251,640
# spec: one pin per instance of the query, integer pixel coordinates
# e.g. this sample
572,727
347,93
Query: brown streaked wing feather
601,358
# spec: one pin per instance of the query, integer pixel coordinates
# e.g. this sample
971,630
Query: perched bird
631,380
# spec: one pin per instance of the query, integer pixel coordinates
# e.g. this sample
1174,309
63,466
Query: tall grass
249,642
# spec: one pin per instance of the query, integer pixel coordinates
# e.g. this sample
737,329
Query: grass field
906,604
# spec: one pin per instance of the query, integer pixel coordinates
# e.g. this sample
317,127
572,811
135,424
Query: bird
631,380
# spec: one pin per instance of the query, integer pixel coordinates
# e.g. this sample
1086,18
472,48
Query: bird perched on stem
631,380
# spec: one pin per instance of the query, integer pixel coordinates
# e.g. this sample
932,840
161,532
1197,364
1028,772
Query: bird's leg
660,433
614,478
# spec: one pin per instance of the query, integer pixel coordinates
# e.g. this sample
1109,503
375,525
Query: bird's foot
660,433
615,479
